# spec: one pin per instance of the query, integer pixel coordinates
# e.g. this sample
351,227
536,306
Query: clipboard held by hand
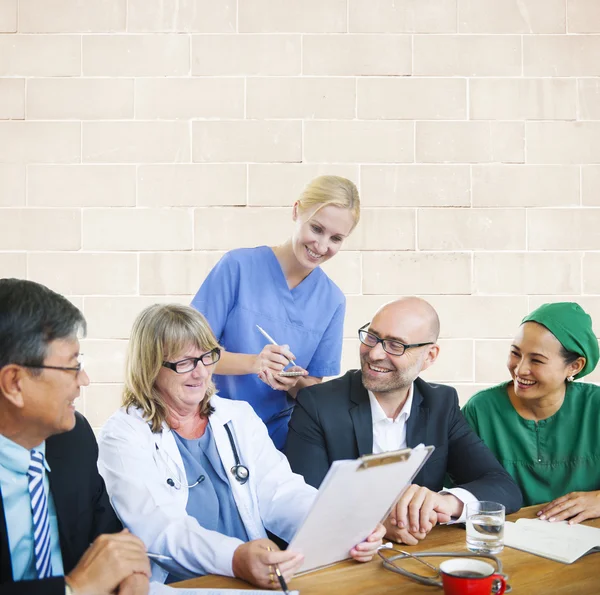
354,496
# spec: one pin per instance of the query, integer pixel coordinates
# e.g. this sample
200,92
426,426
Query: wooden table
528,574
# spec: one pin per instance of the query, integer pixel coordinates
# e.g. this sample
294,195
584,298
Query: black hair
569,357
31,317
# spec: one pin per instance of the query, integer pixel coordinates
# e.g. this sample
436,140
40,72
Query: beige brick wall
140,139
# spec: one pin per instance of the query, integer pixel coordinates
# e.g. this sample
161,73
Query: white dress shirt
390,434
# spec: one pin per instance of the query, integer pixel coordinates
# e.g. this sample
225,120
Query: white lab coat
136,465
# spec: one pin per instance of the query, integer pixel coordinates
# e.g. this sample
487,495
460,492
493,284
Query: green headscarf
572,326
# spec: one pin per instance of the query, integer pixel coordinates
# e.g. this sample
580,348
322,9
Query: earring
570,378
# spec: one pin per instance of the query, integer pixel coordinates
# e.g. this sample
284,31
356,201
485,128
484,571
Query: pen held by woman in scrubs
271,340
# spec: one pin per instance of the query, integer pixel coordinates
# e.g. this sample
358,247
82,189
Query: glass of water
485,527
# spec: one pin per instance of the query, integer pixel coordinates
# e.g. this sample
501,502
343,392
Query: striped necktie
39,509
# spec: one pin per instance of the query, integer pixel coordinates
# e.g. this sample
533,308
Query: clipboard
354,496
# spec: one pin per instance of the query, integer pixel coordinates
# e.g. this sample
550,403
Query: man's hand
414,509
134,584
365,550
254,562
107,563
576,506
395,533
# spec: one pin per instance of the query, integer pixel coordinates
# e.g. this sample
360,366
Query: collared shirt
14,484
390,434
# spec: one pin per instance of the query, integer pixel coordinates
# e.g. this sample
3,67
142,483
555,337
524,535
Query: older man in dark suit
385,406
53,503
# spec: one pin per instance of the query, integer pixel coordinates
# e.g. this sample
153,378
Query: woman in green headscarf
542,426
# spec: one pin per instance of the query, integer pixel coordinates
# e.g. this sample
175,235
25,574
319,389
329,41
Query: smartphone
290,374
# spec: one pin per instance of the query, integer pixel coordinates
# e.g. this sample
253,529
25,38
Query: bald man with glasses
385,406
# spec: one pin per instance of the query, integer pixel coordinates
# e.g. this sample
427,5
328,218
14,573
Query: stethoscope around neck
240,472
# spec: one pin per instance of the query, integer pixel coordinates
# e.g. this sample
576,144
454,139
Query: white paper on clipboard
354,496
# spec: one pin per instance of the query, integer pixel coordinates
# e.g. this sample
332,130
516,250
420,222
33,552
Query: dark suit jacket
82,507
332,421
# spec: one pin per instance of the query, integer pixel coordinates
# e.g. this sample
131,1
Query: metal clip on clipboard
385,458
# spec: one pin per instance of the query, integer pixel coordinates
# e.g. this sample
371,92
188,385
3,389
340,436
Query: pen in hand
282,582
271,340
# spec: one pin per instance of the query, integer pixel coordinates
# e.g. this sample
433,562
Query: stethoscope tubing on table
388,563
240,472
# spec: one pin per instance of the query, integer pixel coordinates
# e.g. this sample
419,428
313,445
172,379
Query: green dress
549,458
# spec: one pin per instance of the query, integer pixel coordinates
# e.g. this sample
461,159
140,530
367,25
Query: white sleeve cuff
465,497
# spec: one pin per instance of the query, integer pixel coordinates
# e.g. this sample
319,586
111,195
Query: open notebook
558,541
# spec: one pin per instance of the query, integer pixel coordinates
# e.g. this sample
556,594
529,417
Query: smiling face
407,321
536,364
319,233
184,391
49,397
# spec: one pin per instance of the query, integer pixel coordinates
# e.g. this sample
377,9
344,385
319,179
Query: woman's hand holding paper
273,359
277,382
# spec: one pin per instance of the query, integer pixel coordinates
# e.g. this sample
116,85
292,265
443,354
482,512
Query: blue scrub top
210,502
248,287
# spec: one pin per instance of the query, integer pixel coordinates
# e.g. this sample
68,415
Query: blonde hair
331,190
160,333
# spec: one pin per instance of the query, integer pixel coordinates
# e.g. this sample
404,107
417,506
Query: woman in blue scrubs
283,290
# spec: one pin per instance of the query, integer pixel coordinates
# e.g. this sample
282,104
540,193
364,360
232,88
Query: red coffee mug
467,576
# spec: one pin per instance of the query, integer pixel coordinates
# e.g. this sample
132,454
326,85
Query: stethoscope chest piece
241,473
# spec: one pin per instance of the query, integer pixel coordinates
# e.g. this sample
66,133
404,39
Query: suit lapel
5,561
416,427
360,412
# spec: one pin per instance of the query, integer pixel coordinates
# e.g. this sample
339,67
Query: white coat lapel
169,459
244,495
217,424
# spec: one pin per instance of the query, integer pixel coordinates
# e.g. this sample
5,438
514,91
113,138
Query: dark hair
568,356
31,317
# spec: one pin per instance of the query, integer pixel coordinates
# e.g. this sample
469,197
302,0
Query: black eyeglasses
189,363
76,368
390,346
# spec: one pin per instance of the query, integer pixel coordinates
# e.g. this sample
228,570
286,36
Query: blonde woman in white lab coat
197,477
